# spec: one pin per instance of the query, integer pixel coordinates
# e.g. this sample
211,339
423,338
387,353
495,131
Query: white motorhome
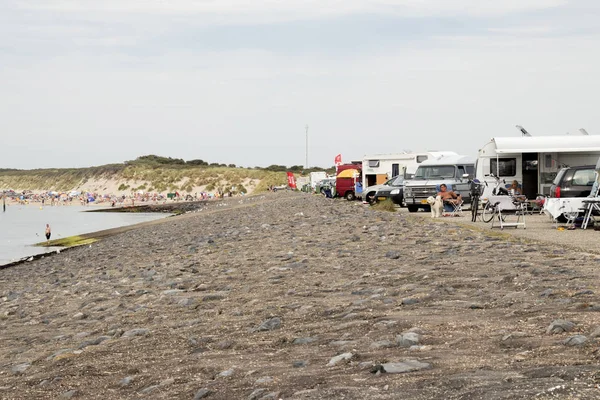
533,161
378,168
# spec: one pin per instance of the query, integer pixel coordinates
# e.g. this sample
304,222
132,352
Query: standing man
48,234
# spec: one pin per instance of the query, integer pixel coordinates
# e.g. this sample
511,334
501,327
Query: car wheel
370,197
350,196
413,208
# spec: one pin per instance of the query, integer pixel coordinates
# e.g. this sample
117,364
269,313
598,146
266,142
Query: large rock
576,340
408,339
560,326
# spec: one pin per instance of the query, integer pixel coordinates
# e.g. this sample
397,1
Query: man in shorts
48,233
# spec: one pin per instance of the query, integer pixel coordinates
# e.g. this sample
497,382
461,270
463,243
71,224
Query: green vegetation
160,174
68,242
386,205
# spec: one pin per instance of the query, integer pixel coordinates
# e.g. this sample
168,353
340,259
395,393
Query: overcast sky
89,82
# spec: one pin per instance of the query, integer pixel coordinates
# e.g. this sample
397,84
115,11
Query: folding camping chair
454,206
593,203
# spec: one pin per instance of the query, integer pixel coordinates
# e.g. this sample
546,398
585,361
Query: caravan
378,168
533,161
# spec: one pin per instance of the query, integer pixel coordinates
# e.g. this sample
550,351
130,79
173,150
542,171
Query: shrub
386,205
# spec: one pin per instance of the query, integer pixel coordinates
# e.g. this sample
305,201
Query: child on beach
48,233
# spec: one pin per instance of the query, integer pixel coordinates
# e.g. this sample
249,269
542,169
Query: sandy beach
289,295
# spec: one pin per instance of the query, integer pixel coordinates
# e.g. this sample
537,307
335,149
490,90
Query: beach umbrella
349,173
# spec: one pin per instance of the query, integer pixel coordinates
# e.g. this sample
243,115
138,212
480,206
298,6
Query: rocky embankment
295,296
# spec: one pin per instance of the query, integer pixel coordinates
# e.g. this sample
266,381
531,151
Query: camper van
347,180
378,168
533,161
455,171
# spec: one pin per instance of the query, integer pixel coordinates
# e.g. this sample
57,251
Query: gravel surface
294,296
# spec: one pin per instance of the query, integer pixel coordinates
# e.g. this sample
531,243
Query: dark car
573,181
394,191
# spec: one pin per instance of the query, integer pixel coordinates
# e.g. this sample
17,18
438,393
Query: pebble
226,373
403,367
69,394
136,332
20,368
126,381
382,344
256,394
202,393
269,325
264,379
409,301
149,389
304,340
595,333
299,364
337,359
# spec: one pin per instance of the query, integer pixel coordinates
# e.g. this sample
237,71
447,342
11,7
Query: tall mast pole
306,127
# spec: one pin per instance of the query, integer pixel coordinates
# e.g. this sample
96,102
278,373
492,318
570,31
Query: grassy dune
149,174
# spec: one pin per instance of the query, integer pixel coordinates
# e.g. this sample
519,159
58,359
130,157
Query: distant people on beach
48,233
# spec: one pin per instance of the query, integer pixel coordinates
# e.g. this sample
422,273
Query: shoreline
176,209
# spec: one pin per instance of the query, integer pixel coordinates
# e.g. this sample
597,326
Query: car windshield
399,181
391,181
435,172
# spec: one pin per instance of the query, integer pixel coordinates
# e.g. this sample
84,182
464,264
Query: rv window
506,166
373,163
435,171
420,159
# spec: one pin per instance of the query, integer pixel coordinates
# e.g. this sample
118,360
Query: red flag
338,159
291,180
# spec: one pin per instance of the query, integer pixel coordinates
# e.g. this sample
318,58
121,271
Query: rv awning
547,144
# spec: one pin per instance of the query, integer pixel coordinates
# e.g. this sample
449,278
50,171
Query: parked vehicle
535,161
573,181
368,193
455,171
378,168
316,177
393,191
347,180
325,184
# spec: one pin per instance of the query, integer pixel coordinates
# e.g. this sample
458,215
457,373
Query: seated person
448,197
516,191
516,187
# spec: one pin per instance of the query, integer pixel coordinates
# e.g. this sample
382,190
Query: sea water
21,226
